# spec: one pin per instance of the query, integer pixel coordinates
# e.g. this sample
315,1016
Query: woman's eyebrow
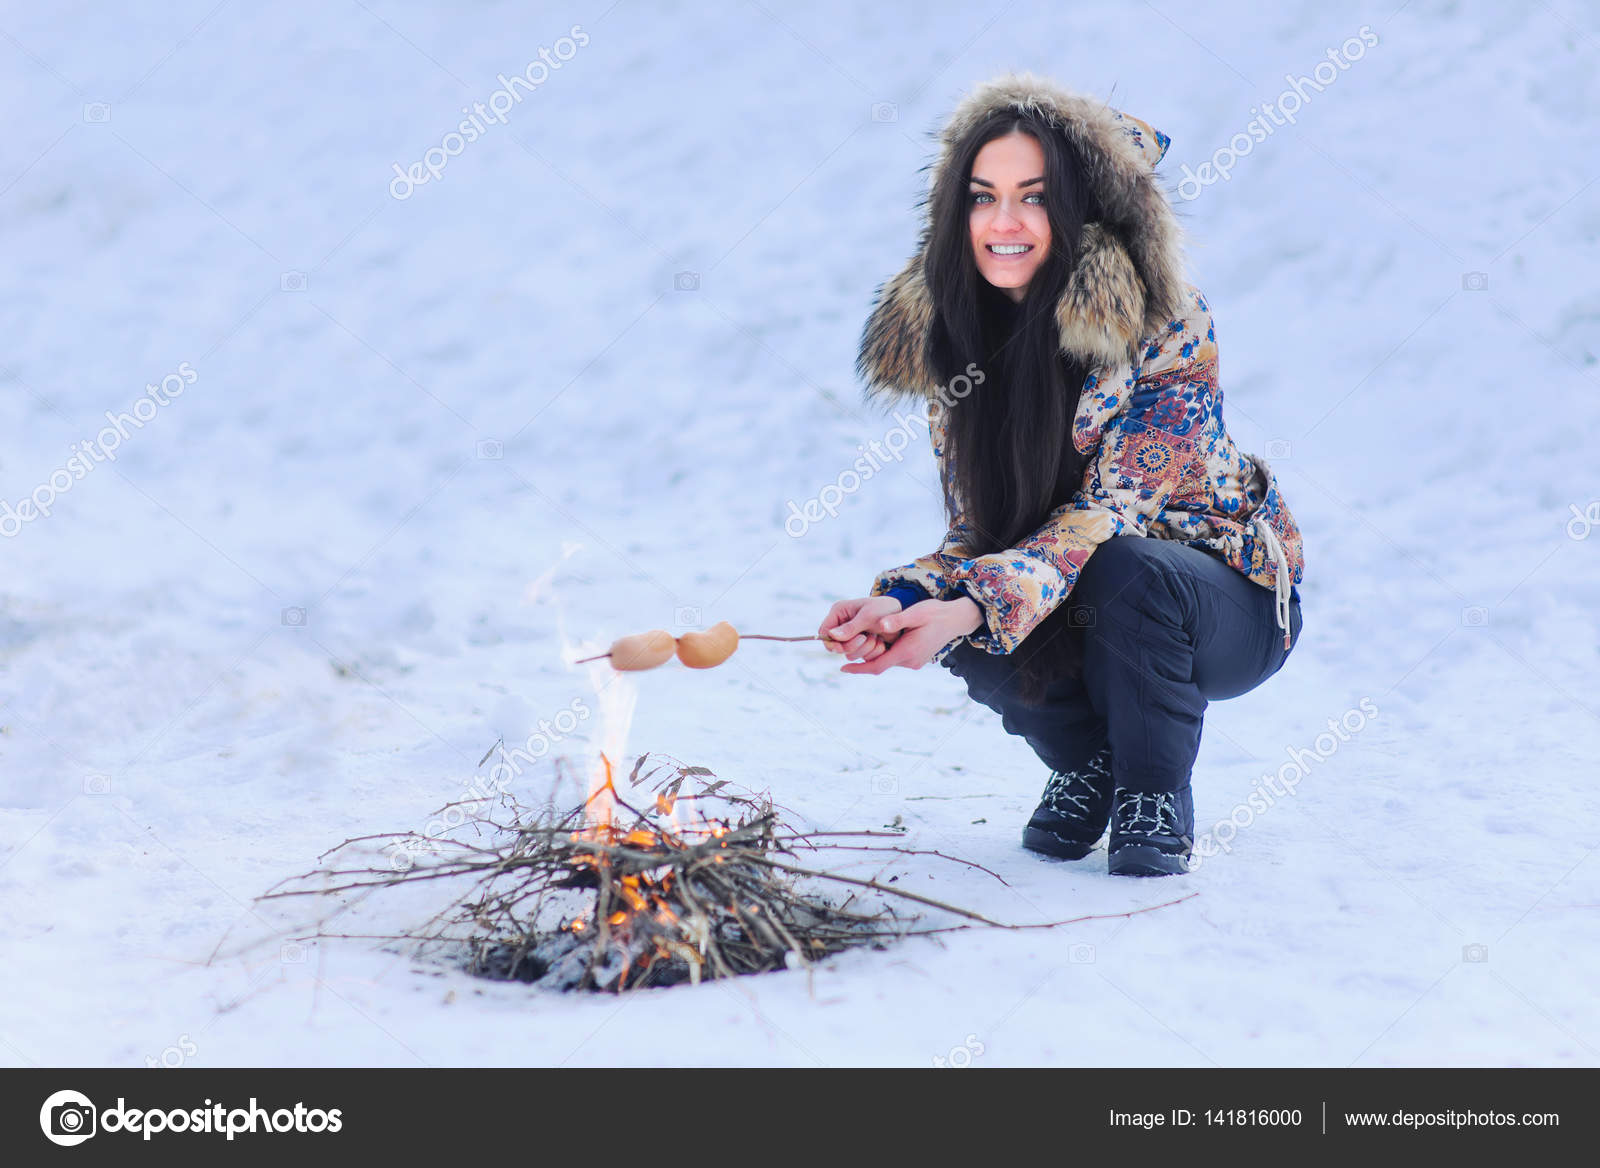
1024,183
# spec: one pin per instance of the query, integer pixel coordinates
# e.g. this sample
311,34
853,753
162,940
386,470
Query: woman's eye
975,196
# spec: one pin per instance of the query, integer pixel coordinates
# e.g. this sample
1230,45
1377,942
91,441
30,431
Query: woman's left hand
913,636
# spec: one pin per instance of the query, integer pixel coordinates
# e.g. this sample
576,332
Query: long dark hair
1010,439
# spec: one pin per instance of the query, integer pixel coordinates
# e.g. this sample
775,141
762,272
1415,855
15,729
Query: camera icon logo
295,617
686,282
885,111
1278,448
292,282
1474,281
1476,954
491,448
1475,616
885,784
1081,954
1081,616
96,111
686,616
97,784
67,1118
292,953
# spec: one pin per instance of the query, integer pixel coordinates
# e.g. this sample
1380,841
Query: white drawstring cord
1281,582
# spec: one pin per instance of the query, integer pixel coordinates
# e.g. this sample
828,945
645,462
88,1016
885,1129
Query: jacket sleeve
1144,452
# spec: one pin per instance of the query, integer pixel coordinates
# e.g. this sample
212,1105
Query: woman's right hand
850,626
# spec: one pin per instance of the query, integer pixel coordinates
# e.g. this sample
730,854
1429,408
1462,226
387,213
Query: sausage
642,650
712,647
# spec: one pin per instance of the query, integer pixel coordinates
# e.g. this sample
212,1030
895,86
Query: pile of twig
640,900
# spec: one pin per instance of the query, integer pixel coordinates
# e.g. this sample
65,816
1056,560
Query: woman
1113,561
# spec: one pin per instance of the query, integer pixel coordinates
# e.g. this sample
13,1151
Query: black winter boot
1072,814
1151,834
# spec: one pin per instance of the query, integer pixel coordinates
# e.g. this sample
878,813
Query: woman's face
1010,230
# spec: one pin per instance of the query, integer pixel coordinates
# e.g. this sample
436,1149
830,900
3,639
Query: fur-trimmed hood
1129,278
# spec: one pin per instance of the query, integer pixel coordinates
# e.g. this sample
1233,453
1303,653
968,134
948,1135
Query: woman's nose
1006,217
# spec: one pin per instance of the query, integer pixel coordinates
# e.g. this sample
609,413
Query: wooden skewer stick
742,637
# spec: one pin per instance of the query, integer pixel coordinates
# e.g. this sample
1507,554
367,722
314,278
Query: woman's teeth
1010,248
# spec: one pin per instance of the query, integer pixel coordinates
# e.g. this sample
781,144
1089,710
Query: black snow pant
1167,628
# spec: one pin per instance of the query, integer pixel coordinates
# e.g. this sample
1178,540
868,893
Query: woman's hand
911,638
850,626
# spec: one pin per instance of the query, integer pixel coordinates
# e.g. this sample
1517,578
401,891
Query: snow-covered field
413,447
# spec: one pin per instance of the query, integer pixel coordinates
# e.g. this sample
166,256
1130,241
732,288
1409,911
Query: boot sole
1140,860
1038,840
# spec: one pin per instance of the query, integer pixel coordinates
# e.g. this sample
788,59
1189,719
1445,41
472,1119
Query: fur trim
1101,312
1129,279
893,352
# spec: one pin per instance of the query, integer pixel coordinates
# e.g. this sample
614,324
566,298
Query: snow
174,738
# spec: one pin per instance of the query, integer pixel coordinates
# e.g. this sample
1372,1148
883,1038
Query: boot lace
1071,794
1140,813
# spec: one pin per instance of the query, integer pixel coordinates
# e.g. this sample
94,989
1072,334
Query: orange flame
602,801
616,695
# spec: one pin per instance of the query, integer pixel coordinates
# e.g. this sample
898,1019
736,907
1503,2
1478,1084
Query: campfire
701,883
687,877
673,892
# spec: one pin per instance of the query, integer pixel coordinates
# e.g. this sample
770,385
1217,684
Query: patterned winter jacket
1149,418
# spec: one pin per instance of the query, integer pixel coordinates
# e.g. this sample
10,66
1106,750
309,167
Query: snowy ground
174,737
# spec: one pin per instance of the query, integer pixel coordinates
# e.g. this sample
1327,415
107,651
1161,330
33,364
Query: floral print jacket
1162,465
